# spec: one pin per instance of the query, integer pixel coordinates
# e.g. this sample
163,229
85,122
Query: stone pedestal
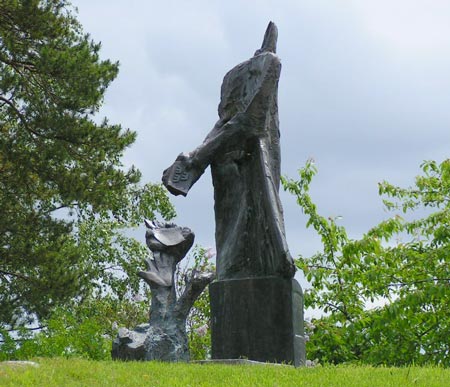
258,319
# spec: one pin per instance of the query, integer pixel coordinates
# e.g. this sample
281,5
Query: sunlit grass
76,372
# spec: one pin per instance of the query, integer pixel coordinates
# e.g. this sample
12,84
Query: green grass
75,372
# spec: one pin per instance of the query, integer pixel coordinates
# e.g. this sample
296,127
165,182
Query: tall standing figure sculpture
257,307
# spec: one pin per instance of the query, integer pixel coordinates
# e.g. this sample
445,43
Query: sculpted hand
182,174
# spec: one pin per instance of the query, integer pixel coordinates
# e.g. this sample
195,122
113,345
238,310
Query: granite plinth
259,319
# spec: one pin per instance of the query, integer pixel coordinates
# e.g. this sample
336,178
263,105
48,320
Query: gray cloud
364,90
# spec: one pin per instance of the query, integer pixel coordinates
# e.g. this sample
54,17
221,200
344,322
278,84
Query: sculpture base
258,319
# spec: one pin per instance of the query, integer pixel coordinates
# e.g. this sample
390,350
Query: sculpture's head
269,43
245,81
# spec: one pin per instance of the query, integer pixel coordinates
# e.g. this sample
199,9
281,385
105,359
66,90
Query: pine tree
60,171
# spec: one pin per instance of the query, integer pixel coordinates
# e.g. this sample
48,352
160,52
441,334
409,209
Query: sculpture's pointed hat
269,43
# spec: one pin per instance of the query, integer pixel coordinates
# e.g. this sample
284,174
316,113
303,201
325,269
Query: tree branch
399,284
28,329
17,275
342,310
321,267
19,114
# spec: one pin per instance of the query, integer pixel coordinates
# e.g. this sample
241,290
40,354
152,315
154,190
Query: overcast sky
364,90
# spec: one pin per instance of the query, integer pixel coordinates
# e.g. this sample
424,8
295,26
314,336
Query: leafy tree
64,194
83,330
87,329
411,277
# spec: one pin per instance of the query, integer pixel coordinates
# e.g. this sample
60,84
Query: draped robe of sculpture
243,150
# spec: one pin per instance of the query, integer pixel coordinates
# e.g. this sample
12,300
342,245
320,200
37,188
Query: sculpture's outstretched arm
188,167
227,134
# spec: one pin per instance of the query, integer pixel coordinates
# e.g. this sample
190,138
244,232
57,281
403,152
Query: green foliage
67,335
65,197
78,372
111,257
85,330
411,277
198,324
